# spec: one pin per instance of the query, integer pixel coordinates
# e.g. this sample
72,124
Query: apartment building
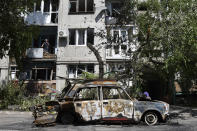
67,26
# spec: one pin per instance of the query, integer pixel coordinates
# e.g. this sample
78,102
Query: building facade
66,26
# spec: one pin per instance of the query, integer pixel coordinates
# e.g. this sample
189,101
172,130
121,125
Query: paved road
23,121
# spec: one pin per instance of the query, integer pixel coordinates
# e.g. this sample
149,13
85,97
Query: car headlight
167,106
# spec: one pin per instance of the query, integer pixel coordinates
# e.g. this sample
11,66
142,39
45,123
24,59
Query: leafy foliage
166,40
15,34
88,75
167,35
15,94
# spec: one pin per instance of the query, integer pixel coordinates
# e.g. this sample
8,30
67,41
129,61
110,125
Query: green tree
15,35
167,38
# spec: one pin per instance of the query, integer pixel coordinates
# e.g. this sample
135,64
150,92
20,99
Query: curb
15,112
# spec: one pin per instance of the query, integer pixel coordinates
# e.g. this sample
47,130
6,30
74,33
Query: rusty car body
100,100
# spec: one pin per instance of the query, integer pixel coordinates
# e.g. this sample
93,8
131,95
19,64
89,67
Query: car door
87,103
116,104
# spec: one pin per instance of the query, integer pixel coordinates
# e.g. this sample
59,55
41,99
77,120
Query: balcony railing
117,52
39,53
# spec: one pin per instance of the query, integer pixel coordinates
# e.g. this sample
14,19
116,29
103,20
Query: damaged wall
75,53
73,21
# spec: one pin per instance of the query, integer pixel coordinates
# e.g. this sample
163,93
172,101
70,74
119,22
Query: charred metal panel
89,110
142,106
117,108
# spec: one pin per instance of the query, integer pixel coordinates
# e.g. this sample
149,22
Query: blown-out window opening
75,71
81,36
81,6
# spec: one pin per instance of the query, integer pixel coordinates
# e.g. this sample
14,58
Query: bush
11,94
30,101
14,94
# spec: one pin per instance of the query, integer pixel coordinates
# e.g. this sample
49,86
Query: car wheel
67,118
151,118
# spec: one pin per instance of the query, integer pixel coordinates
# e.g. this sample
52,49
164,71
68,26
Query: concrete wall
4,64
75,54
61,74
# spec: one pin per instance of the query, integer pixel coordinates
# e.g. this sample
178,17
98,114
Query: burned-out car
100,100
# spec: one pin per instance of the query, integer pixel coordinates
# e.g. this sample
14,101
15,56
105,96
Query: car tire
67,118
150,118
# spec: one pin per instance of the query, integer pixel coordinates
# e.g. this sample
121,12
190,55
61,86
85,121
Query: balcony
116,52
40,18
39,53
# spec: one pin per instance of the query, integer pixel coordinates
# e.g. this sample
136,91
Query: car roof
94,83
102,82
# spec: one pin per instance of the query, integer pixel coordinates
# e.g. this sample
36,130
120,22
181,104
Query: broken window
38,5
109,50
73,6
116,36
80,69
114,93
81,36
87,94
116,49
120,35
50,9
116,7
123,49
115,67
54,17
75,71
119,40
90,5
43,74
81,6
90,34
90,68
46,5
55,5
72,35
123,36
49,33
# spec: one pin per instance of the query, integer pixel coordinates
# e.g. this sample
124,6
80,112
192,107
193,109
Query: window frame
50,10
117,88
77,7
111,6
82,88
76,67
77,36
120,34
